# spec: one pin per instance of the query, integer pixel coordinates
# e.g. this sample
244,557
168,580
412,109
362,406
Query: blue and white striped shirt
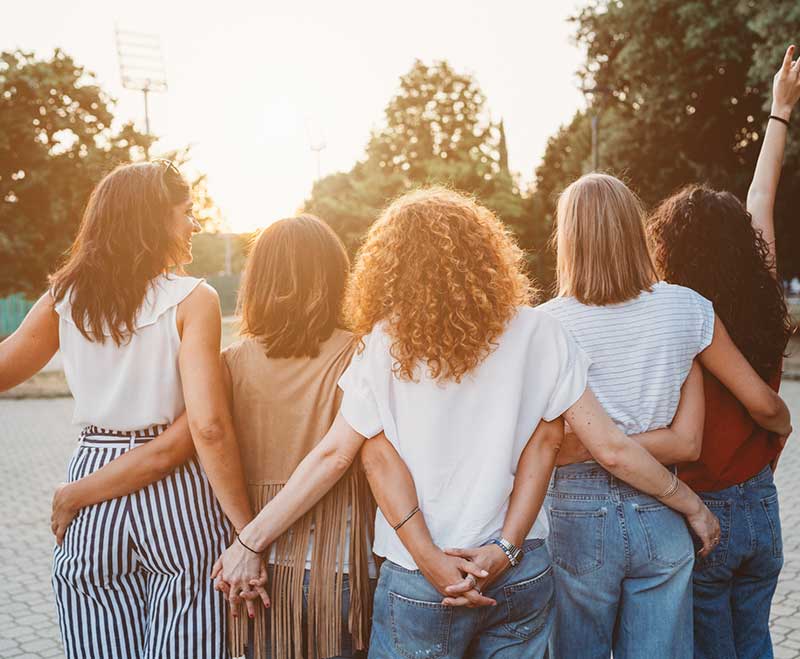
641,350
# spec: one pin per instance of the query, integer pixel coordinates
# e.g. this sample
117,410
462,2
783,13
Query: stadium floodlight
141,66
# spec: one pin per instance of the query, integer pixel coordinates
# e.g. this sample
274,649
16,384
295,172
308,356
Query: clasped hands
459,575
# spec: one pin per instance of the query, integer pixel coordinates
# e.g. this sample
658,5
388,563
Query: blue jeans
347,641
409,621
734,584
623,569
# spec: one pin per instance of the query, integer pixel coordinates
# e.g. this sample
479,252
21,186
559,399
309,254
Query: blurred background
335,108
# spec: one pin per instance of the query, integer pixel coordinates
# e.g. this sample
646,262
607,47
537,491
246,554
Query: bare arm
130,472
761,195
726,362
27,351
200,322
680,442
629,461
393,488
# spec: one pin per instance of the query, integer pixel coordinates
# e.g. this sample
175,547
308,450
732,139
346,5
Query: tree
56,143
437,131
59,139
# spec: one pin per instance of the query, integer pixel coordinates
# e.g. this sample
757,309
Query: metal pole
228,253
145,92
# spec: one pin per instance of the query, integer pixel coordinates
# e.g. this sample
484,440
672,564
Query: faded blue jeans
623,570
734,584
409,621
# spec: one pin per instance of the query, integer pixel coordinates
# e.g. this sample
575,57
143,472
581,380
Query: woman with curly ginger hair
459,375
709,241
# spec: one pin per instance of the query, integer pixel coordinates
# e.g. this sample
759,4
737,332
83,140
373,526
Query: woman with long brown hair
458,373
710,241
282,379
131,574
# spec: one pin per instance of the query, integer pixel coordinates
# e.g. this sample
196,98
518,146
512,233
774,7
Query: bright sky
253,84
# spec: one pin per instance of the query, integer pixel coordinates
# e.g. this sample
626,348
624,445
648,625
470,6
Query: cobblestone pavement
36,441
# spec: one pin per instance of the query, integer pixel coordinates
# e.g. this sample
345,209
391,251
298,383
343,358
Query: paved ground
36,441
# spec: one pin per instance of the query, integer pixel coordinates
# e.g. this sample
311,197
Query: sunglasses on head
168,165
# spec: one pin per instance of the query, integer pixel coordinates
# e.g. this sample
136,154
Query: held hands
443,570
242,576
64,511
490,558
786,85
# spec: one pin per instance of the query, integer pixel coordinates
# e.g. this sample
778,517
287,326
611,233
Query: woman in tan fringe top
282,380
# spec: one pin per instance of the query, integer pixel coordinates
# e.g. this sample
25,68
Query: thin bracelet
781,119
245,546
406,518
672,489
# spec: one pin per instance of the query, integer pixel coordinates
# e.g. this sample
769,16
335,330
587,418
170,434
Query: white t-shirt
641,350
462,441
134,385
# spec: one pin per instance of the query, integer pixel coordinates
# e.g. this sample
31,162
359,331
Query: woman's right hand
705,525
442,571
786,85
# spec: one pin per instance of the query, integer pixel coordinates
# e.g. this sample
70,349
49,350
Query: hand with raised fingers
786,85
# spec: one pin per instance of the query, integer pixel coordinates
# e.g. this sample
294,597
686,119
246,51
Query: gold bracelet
406,518
672,489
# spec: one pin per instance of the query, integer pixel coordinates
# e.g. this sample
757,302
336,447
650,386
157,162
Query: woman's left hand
64,511
237,573
488,557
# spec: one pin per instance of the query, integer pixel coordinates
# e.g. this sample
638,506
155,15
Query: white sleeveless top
137,384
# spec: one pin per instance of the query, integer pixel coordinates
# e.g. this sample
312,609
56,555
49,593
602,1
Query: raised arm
729,366
761,195
680,442
27,351
130,472
629,461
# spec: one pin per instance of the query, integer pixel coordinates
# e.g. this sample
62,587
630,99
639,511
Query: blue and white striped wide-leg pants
132,578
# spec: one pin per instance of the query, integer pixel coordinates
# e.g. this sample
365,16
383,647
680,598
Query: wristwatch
512,552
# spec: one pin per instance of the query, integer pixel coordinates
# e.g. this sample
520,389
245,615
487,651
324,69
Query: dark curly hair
704,239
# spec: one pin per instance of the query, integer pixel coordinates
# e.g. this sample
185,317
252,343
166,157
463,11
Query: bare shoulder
202,300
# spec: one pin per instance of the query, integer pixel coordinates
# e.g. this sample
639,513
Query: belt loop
132,442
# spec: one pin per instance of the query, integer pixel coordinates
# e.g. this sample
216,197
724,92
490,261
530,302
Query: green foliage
682,88
437,131
208,251
57,141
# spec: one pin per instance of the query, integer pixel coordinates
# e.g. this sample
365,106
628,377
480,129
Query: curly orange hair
446,277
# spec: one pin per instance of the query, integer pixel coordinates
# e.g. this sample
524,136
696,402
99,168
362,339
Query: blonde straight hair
602,252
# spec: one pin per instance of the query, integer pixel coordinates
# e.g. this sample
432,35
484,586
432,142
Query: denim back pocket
719,555
419,628
529,604
771,509
668,540
576,539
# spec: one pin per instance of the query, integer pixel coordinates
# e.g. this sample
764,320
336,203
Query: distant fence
12,311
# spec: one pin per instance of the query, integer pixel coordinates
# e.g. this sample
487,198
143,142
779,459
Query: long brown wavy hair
124,241
446,277
704,239
291,294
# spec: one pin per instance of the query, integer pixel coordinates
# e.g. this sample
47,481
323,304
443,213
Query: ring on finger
472,581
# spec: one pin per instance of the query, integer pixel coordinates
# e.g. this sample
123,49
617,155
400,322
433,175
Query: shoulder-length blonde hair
602,252
445,276
291,294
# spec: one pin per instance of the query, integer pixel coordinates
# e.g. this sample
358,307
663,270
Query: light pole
141,66
595,122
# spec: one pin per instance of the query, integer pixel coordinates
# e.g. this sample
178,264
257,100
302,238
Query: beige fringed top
282,407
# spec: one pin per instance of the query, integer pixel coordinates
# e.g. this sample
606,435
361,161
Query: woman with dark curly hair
458,374
709,241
